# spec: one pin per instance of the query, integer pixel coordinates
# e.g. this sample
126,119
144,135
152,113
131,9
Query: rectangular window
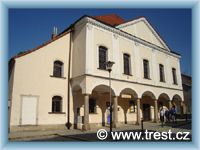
102,57
127,64
146,69
92,106
56,104
162,74
174,76
58,69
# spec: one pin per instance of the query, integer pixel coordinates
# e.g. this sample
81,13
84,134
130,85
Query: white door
29,110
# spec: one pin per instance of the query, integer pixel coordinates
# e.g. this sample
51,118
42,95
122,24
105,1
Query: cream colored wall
128,49
100,107
141,30
118,45
101,38
79,50
124,110
32,77
118,86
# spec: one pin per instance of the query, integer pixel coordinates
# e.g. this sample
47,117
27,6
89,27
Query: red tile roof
111,19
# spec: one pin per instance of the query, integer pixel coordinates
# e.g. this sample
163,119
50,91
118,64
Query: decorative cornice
127,35
127,81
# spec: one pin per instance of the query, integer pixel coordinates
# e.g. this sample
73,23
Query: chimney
55,32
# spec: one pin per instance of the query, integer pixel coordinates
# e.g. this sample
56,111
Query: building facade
187,92
65,80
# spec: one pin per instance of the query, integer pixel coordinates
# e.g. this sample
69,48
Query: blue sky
28,28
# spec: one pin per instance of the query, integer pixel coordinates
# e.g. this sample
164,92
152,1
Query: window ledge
102,69
163,81
127,74
147,78
57,77
56,113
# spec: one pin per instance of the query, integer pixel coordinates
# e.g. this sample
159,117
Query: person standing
162,116
173,113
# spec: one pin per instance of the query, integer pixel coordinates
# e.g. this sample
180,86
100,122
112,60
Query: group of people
170,114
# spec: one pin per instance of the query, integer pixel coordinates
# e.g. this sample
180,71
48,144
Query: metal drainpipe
68,124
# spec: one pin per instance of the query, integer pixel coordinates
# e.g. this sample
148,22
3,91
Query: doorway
29,110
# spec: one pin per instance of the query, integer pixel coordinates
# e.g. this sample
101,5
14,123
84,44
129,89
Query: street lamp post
109,65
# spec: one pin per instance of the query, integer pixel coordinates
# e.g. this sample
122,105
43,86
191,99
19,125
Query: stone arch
177,102
97,84
148,105
103,88
164,100
177,97
127,103
101,95
129,91
149,94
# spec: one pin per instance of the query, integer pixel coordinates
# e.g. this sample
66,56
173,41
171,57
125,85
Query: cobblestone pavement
174,127
78,135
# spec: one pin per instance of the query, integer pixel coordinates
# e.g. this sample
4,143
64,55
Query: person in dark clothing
167,115
173,113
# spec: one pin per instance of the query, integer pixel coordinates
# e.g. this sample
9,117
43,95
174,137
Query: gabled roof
111,19
135,21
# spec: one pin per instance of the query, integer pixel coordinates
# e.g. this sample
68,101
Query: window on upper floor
92,106
162,74
57,104
146,69
174,76
127,66
58,69
102,57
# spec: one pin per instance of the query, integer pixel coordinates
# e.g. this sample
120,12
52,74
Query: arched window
57,104
58,69
102,57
